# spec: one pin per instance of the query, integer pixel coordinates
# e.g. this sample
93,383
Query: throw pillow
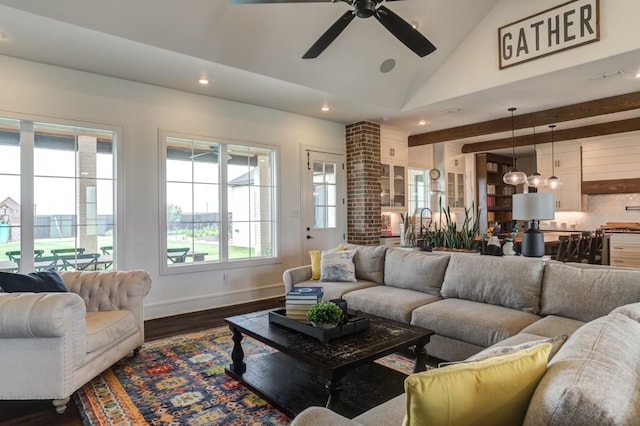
493,391
337,266
556,344
315,256
36,282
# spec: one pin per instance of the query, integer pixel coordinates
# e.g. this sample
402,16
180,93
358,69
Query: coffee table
340,374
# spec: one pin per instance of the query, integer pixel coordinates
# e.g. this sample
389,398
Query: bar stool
573,251
597,244
562,252
584,253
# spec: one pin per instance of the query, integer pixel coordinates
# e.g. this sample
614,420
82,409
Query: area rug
181,381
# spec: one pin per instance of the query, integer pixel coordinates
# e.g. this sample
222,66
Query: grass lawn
211,248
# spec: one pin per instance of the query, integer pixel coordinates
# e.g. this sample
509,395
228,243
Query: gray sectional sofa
473,302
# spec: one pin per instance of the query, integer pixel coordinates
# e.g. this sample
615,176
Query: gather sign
563,27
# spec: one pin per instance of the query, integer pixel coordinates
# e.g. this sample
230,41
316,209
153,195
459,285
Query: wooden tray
354,325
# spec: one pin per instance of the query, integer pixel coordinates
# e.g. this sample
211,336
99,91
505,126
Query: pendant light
553,182
513,176
535,180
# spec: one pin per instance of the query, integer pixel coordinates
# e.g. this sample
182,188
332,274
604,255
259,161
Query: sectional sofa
474,302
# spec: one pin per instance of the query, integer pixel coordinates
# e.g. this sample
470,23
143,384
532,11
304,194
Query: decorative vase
493,246
507,249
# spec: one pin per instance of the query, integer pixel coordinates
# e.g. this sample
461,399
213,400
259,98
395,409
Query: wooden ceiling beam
613,104
602,129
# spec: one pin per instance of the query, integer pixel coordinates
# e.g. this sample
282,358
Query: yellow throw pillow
491,391
315,256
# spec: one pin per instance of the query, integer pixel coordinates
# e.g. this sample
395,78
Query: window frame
27,168
224,262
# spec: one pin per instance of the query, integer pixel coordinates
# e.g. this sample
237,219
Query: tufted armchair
51,344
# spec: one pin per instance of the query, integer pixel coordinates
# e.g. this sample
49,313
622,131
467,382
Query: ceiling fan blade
279,1
404,32
330,35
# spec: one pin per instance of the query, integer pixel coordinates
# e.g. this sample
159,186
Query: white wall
141,110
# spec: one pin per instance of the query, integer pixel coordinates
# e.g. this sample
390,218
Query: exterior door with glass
323,200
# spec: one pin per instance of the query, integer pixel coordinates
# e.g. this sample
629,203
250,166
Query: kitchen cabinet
393,184
624,250
394,153
566,165
455,189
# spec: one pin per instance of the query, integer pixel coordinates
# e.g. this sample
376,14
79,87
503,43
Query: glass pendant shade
535,180
553,182
514,176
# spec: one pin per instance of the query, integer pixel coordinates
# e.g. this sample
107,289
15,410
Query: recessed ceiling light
422,122
638,75
203,81
325,108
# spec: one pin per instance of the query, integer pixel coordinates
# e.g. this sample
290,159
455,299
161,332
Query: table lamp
533,207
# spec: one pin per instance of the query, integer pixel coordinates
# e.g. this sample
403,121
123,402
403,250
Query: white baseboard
211,301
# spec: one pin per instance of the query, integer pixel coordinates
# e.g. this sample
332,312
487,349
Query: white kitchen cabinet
394,158
567,167
393,186
455,189
624,250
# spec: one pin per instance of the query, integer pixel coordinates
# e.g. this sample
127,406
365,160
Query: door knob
309,237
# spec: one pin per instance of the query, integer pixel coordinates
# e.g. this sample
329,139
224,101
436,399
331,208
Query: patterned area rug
181,381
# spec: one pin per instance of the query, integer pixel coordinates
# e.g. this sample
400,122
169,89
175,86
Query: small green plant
325,313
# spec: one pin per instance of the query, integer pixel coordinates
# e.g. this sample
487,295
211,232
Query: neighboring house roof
9,203
243,180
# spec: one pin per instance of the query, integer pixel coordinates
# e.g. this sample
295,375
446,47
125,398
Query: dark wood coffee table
340,374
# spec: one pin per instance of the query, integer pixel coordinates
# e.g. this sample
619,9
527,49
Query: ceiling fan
397,26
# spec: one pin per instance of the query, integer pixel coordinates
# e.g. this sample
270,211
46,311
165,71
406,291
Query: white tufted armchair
51,344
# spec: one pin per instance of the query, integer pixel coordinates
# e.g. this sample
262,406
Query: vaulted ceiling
251,53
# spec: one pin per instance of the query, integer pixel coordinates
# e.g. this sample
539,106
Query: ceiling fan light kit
401,29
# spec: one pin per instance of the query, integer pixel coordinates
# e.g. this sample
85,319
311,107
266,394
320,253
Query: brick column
363,183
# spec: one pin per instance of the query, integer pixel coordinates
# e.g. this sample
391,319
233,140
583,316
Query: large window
219,201
57,201
418,191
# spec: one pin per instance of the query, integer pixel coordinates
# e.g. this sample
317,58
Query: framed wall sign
563,27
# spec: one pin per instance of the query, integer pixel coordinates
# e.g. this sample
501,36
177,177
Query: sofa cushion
48,281
632,311
593,380
510,281
553,325
388,302
369,262
587,293
491,391
509,347
388,413
337,265
477,323
314,257
412,270
108,327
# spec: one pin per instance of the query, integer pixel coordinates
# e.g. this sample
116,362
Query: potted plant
325,315
449,238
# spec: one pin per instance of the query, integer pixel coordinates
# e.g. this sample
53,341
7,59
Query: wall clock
434,174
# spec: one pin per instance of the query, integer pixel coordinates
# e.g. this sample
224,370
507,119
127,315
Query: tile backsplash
600,210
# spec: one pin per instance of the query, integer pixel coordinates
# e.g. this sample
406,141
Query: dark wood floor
43,413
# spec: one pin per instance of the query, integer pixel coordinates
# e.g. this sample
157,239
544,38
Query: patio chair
177,255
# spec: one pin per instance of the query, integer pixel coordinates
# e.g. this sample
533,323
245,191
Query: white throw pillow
337,266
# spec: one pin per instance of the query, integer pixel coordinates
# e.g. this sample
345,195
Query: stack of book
299,300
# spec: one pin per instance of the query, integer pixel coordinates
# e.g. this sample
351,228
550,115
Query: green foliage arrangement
448,236
325,313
